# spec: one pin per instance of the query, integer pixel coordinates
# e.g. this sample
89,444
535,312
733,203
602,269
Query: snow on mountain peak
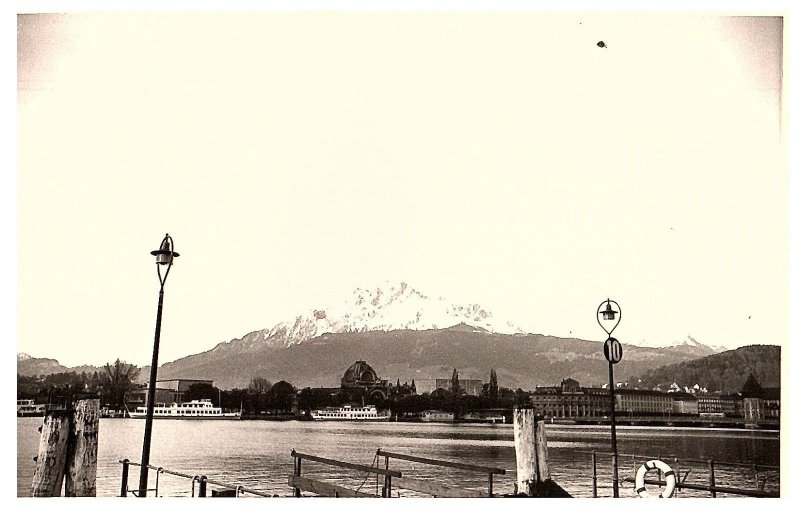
385,308
689,341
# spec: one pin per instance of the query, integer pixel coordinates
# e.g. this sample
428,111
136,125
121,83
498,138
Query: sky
499,158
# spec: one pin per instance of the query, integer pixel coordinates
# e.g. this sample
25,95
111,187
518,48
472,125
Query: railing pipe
123,490
693,460
351,466
158,475
441,463
719,489
711,479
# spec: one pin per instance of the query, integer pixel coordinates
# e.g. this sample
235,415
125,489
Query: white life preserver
669,476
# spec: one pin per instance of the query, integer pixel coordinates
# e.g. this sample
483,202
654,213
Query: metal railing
201,482
681,483
300,483
432,489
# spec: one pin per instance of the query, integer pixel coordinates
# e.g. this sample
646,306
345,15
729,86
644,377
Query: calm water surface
256,454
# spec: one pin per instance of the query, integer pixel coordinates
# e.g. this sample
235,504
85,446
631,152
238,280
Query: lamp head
165,254
608,313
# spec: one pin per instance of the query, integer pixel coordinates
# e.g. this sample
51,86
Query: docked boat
194,410
436,416
28,408
350,413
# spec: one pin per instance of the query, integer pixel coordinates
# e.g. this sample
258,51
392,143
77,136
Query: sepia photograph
400,252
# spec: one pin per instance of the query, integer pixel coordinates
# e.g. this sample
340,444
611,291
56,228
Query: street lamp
612,349
164,256
608,313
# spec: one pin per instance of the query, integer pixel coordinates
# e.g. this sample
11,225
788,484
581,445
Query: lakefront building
643,402
569,400
168,391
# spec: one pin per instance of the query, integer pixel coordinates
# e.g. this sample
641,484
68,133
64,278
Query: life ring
669,476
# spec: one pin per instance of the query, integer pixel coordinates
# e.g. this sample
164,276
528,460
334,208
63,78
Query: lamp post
164,256
612,350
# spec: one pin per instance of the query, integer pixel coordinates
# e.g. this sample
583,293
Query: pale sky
494,158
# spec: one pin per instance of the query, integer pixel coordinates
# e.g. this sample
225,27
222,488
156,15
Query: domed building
360,375
360,379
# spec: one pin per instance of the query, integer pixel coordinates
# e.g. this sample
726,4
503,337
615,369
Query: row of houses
569,401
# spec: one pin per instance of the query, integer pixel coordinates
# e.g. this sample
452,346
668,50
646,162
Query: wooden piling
533,469
81,465
51,460
540,438
525,446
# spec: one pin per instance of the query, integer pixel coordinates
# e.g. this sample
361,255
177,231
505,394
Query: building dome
358,374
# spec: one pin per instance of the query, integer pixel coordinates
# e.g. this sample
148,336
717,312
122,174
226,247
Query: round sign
612,349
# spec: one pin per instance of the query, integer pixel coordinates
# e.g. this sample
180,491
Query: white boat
27,408
192,410
350,413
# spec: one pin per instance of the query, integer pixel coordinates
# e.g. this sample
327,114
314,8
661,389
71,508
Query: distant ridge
521,360
725,371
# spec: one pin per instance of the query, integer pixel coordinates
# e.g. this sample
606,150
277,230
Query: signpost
612,349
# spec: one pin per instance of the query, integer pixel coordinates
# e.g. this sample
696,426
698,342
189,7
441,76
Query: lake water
256,454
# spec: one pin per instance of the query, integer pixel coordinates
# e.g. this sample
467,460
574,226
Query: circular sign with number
612,349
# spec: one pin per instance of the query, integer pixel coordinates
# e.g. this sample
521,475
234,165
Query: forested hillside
726,371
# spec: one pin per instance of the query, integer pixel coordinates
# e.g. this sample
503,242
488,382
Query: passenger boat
350,413
27,408
194,410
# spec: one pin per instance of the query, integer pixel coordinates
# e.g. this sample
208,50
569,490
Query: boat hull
345,419
236,417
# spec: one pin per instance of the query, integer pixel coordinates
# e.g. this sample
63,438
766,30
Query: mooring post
540,437
81,468
201,491
52,457
491,482
525,447
594,474
387,481
123,490
387,486
297,472
711,480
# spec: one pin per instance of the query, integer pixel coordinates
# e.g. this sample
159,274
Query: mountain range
405,334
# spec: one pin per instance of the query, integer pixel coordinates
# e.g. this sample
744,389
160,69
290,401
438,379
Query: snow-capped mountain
390,307
689,343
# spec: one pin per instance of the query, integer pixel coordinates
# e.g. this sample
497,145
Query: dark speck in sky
601,44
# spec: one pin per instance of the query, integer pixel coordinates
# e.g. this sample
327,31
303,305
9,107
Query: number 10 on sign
612,349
